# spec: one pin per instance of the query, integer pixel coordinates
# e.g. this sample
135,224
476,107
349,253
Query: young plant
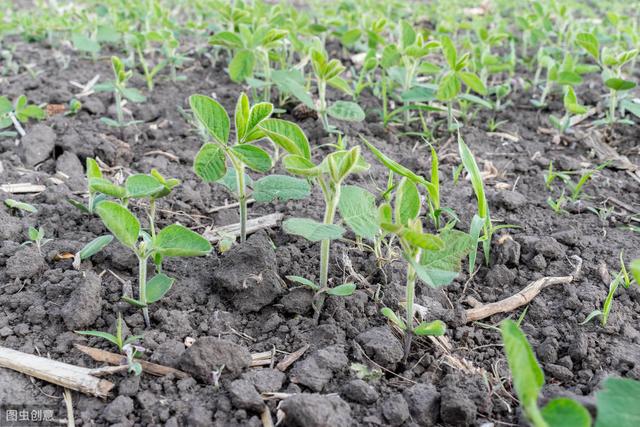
528,380
36,237
120,91
450,84
93,174
404,222
21,206
119,341
572,108
252,124
329,176
17,113
172,241
90,249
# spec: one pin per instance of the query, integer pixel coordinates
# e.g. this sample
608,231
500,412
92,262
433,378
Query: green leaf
102,185
177,240
389,314
281,187
407,203
254,157
346,111
528,378
457,245
120,222
396,167
312,230
5,105
341,84
449,51
212,116
358,210
449,87
343,290
210,163
134,302
287,135
33,234
241,66
474,232
288,83
589,42
93,170
107,336
158,287
619,84
141,185
133,95
14,204
303,281
471,166
259,112
569,78
226,39
242,115
421,240
230,182
433,277
94,246
408,34
563,412
635,270
301,166
84,44
473,81
617,403
436,328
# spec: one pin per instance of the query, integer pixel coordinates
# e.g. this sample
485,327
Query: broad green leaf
528,378
33,234
93,170
287,135
563,412
158,287
230,181
457,245
589,42
424,241
226,39
449,51
120,222
14,204
346,111
312,230
281,187
133,95
94,246
350,37
241,116
105,335
617,403
303,281
619,84
435,329
433,277
212,116
418,94
408,34
241,66
473,81
84,43
358,210
407,203
177,240
389,314
254,157
5,105
287,82
343,290
102,185
569,78
449,87
142,185
300,166
259,112
341,84
210,163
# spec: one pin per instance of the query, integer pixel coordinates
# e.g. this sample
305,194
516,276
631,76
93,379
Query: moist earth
237,303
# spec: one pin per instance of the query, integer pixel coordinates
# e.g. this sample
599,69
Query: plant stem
142,288
535,416
410,296
242,200
449,117
332,197
613,100
119,113
322,90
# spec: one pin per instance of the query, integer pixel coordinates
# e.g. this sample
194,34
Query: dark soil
238,303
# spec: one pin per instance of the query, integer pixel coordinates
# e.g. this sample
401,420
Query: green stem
119,113
142,288
410,297
613,100
322,90
242,199
449,117
535,416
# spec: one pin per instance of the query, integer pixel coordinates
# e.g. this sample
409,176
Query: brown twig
118,359
291,358
253,225
521,298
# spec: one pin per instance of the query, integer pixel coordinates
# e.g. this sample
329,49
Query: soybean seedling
571,107
403,220
17,113
172,241
252,124
21,206
36,237
93,174
120,91
329,176
119,341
